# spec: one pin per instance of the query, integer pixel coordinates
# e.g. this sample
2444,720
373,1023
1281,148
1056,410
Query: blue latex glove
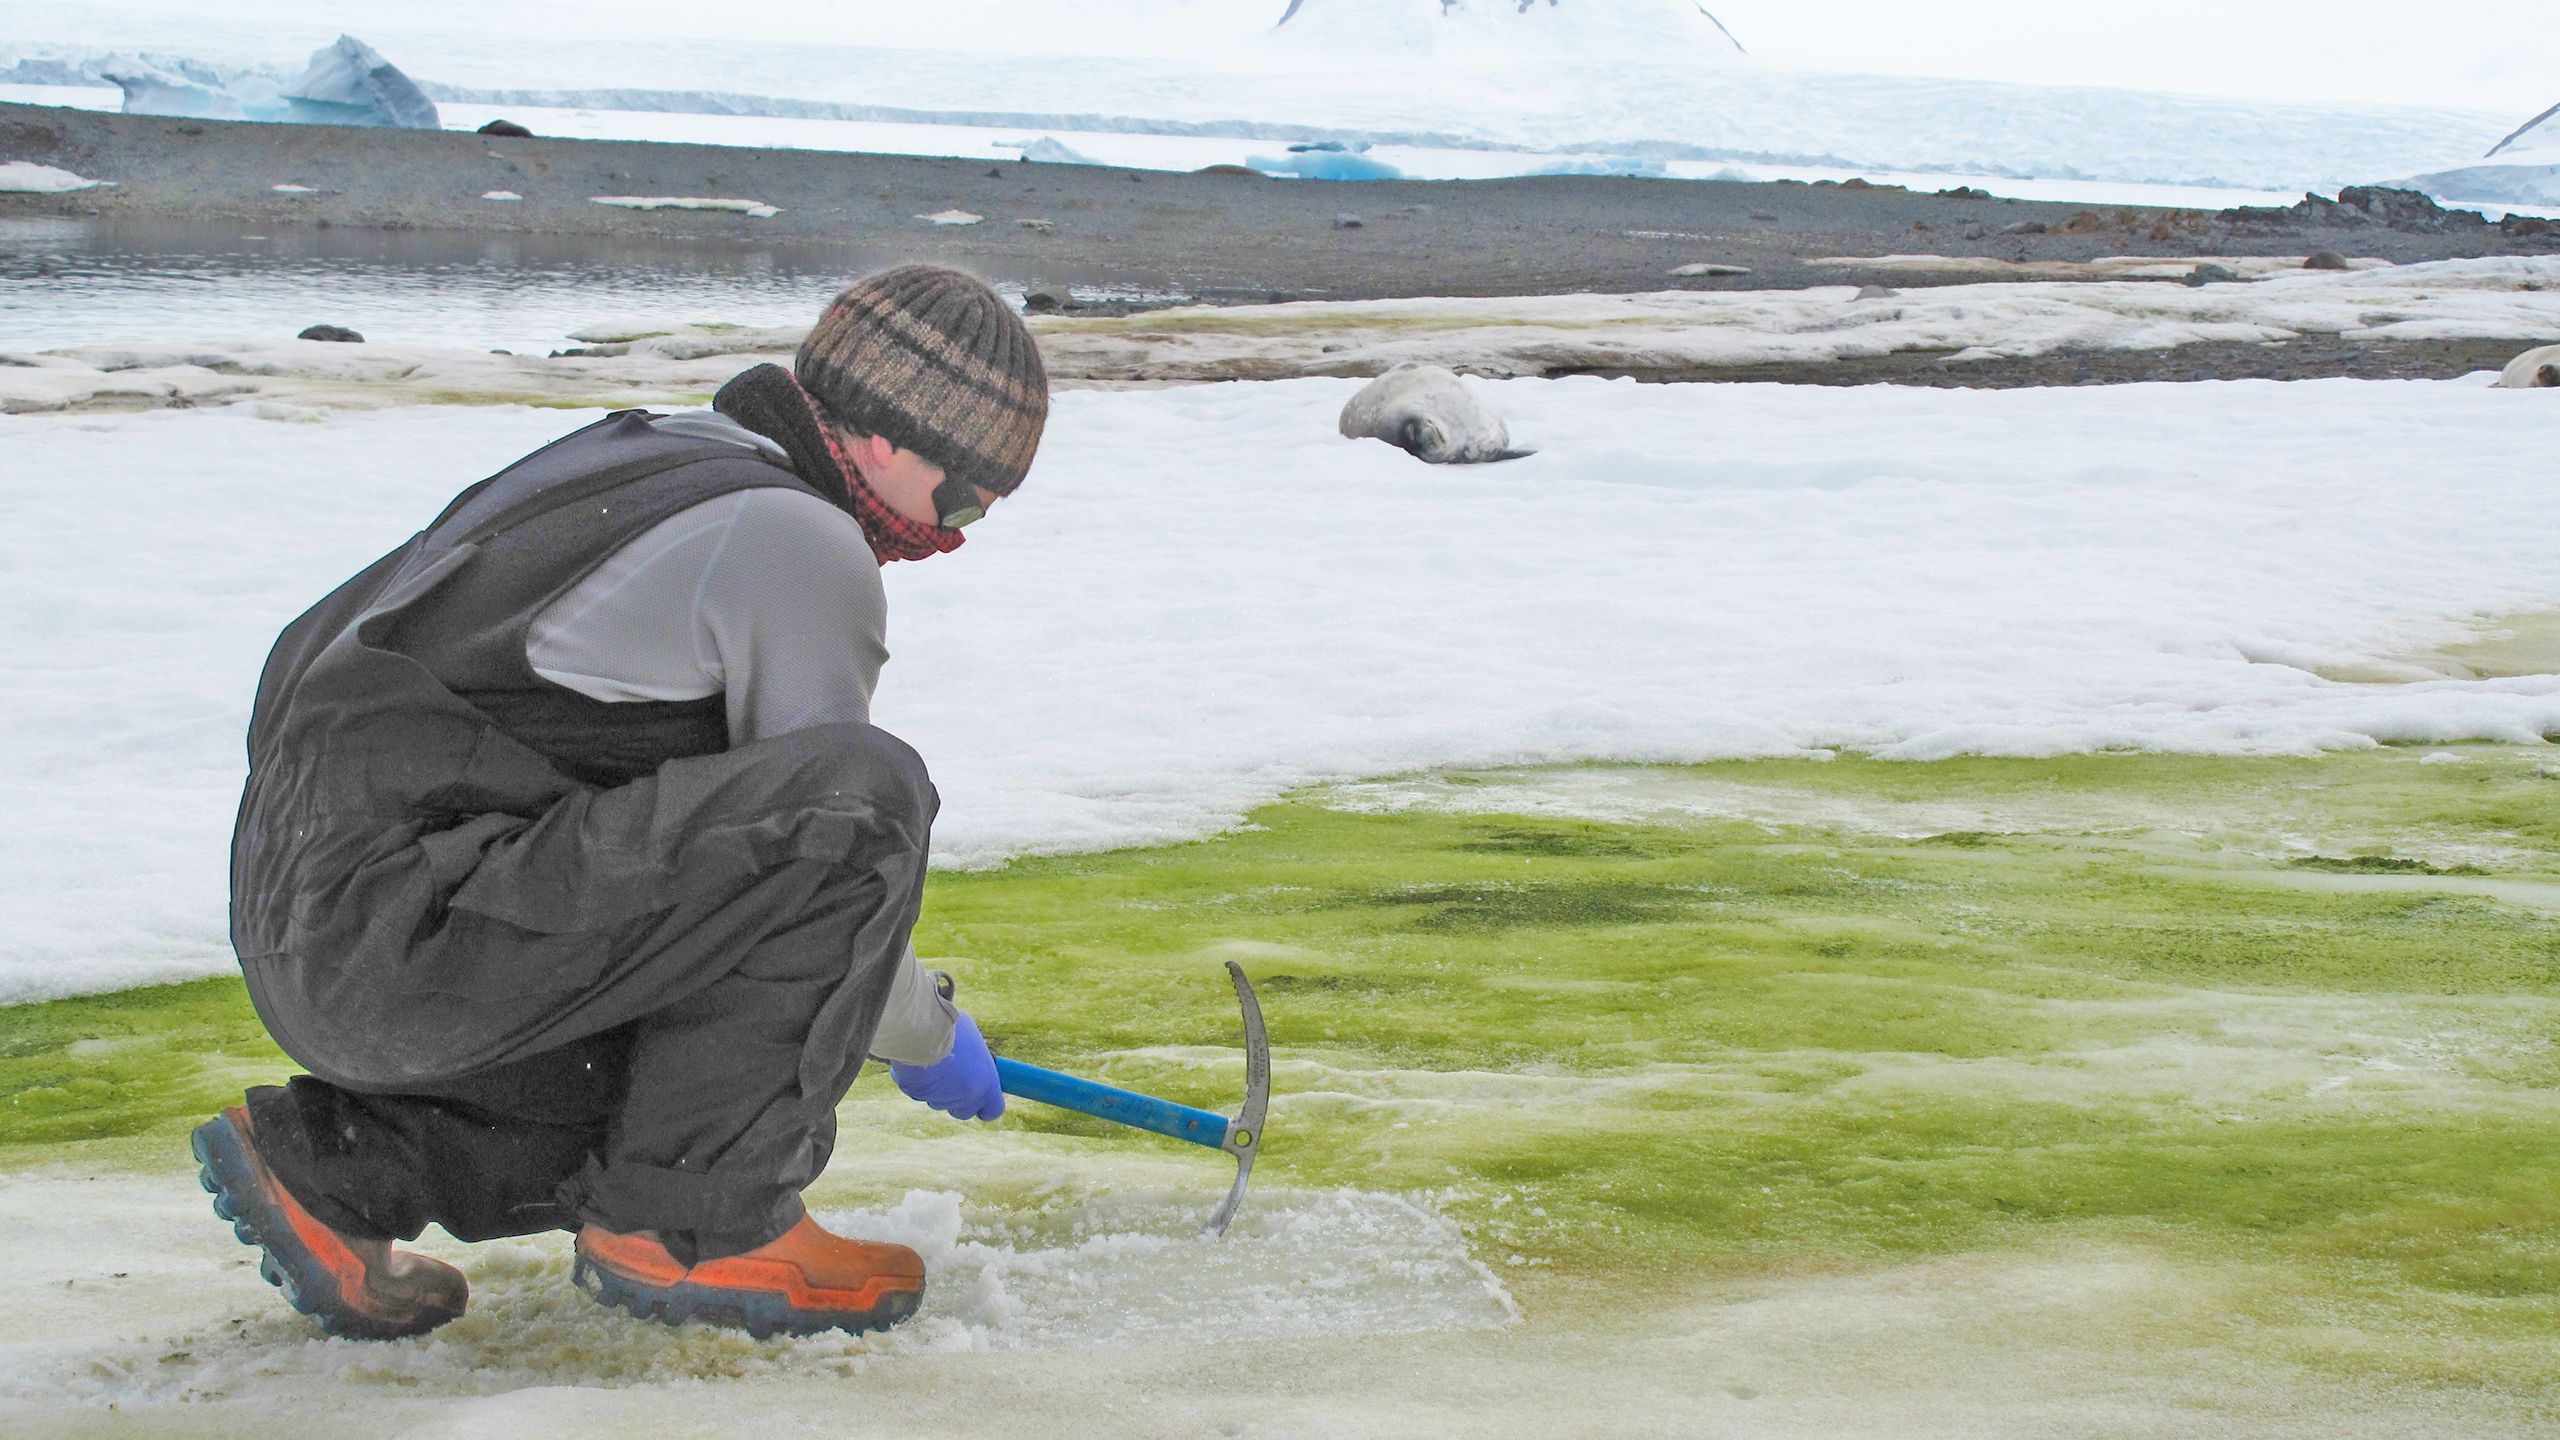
961,1084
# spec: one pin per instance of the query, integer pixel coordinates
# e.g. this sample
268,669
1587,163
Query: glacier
1648,80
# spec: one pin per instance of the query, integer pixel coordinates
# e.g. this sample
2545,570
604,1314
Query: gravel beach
1229,238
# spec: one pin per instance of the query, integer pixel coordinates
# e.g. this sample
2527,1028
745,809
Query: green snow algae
2294,1022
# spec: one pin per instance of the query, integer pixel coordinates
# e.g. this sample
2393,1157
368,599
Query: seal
2537,369
1429,413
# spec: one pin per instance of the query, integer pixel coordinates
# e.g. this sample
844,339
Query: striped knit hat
932,361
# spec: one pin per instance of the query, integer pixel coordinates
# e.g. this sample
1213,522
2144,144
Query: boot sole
760,1314
230,1176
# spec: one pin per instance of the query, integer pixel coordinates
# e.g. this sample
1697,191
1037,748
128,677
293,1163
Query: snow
1687,331
1579,82
757,208
25,177
1083,1272
1681,573
2529,176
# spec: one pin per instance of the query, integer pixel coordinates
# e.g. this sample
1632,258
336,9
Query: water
86,282
65,282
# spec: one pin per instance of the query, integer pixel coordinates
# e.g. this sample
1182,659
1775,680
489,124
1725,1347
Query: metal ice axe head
1240,1137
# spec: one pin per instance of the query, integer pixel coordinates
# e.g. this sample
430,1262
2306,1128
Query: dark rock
1346,221
2210,274
1230,170
2325,260
1973,230
1763,216
1919,224
1965,192
2408,209
2025,227
1041,302
508,128
338,333
994,173
2522,227
2372,205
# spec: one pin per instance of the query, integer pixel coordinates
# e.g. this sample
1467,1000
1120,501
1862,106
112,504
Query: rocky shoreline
1232,238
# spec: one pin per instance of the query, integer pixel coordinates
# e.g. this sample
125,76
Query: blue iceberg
346,83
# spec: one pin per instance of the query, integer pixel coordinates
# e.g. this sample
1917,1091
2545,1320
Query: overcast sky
2498,55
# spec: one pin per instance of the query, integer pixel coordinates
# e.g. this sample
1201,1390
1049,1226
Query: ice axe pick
1240,1136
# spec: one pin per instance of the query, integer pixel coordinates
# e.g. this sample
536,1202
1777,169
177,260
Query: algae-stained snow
1205,596
1779,1110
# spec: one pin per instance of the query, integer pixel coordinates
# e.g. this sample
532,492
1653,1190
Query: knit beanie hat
932,361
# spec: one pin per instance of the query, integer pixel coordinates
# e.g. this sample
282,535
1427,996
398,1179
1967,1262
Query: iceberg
349,84
346,83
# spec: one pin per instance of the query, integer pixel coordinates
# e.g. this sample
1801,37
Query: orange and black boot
802,1283
358,1288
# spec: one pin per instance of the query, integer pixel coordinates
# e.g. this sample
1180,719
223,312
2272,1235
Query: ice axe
1240,1137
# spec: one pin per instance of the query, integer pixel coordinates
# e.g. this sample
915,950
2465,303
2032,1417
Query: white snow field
1647,80
1205,597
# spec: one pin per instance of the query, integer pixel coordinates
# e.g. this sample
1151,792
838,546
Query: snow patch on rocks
25,177
756,208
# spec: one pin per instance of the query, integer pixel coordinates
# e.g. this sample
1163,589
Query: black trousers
640,1010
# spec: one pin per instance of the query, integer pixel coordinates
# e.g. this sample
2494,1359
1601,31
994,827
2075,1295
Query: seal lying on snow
2532,370
1428,412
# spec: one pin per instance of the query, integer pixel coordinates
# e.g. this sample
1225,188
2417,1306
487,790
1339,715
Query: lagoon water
68,282
82,282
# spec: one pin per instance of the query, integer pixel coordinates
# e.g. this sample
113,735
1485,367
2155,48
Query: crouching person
572,869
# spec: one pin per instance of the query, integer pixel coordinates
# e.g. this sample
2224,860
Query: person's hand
961,1084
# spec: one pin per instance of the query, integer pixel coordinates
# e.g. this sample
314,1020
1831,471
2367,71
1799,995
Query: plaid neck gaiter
893,536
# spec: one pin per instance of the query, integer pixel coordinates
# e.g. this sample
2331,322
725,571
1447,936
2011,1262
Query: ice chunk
1325,165
154,87
1049,151
349,84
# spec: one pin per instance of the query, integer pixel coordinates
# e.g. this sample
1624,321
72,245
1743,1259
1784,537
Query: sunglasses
956,502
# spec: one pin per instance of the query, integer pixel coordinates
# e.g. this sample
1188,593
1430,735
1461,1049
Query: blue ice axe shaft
1240,1137
1110,1102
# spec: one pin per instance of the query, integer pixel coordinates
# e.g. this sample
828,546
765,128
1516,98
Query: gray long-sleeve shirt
769,598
